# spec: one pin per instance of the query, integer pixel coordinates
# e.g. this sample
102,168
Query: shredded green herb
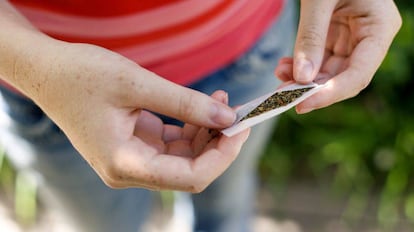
277,100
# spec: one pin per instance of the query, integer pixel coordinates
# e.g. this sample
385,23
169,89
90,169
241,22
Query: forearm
21,49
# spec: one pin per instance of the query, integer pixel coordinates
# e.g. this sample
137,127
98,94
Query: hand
98,99
341,42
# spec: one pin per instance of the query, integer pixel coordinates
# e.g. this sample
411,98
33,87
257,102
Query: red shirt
180,40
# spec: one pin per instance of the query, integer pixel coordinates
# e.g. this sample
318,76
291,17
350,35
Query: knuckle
364,83
111,183
352,94
391,18
200,185
398,22
197,188
396,16
185,106
361,86
310,37
114,175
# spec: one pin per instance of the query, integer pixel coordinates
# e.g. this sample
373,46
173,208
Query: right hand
341,43
98,98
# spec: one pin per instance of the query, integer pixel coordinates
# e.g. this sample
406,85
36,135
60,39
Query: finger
180,148
164,171
313,28
213,162
172,133
284,72
202,138
351,81
190,131
164,97
149,124
342,44
285,60
149,128
205,135
284,69
322,78
335,64
221,96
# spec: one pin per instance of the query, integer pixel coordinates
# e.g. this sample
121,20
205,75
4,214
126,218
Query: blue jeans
35,143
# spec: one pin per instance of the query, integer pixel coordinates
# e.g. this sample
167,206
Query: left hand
342,43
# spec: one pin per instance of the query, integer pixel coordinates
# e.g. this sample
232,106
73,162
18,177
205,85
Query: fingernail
225,98
305,70
223,115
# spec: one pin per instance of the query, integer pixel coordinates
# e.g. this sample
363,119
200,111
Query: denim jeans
35,143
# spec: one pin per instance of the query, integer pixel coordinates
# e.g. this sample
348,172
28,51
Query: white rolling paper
252,112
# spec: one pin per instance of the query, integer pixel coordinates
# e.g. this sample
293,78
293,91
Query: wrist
23,50
24,54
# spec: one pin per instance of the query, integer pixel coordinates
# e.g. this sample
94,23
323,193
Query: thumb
190,106
315,16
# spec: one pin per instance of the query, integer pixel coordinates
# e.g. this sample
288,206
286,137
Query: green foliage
25,198
7,174
359,146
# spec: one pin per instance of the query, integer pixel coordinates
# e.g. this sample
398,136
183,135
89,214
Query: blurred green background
360,150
